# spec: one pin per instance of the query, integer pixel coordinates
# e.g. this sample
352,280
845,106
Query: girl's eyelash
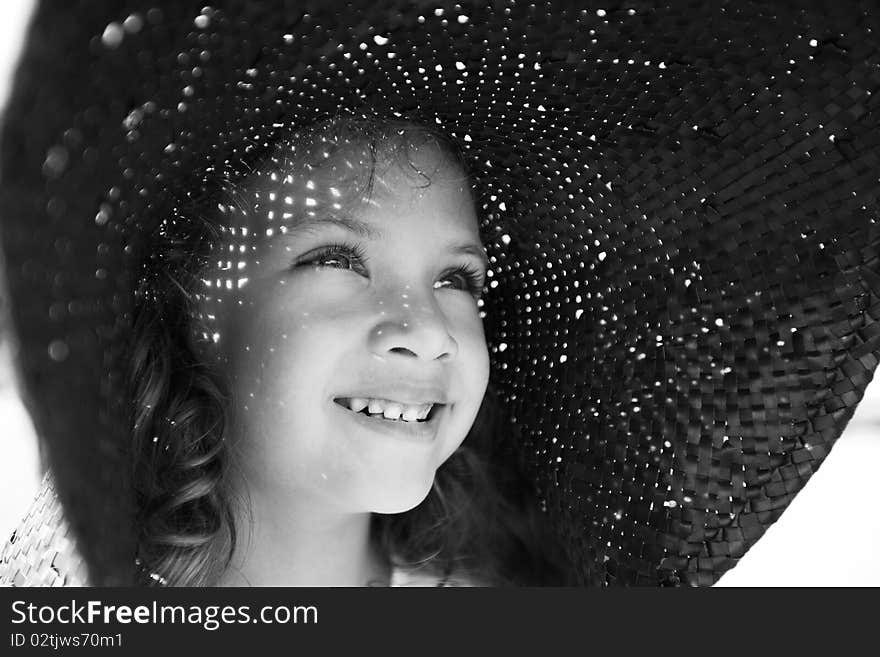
472,277
351,251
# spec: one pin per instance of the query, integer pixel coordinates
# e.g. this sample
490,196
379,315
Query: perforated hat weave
41,550
680,201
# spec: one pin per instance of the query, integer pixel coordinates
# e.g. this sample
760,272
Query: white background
829,536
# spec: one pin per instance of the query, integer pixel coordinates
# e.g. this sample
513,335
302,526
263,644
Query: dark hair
477,522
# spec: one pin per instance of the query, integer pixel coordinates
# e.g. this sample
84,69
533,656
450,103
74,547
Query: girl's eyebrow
351,224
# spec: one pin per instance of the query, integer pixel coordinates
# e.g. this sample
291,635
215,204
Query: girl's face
344,302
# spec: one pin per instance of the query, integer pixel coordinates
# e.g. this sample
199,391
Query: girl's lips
435,406
420,432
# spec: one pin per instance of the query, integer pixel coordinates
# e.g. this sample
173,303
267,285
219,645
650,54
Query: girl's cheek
475,324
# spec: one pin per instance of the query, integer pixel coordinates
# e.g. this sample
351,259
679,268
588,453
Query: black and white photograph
430,294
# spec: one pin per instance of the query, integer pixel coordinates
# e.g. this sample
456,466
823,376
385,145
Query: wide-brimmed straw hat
680,201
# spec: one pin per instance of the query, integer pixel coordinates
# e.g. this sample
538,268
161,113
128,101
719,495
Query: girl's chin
402,499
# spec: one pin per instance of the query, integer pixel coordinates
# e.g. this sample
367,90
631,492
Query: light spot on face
316,322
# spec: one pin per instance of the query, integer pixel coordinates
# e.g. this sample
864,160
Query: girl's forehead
354,164
298,183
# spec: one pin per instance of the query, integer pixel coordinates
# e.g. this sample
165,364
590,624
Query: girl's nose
416,330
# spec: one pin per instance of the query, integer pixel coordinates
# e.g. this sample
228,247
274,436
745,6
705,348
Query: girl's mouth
393,420
389,410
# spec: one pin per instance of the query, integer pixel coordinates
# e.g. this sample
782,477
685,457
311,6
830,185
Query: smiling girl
309,360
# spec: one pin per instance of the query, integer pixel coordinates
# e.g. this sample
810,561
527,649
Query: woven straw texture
42,551
680,199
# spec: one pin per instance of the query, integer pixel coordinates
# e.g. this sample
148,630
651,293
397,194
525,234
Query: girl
309,362
685,259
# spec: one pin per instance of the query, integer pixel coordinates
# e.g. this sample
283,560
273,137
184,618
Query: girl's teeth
357,404
411,413
392,411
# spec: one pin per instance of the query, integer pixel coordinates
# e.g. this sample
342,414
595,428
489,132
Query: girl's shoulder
42,552
408,577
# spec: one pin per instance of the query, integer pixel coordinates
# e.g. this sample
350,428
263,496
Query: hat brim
681,222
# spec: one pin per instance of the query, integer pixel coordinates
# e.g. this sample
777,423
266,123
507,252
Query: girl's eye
463,278
336,256
351,257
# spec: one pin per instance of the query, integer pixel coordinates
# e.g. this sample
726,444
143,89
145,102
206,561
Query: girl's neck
280,545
